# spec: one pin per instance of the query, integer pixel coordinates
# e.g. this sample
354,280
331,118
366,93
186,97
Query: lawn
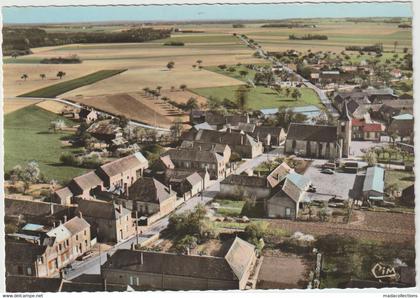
63,87
261,97
230,207
27,138
401,178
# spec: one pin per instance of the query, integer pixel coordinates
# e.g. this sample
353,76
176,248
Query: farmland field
214,45
60,88
27,138
261,97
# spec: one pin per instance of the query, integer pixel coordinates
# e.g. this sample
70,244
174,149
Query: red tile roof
373,127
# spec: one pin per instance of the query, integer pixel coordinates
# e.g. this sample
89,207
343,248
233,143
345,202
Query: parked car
327,171
329,165
311,188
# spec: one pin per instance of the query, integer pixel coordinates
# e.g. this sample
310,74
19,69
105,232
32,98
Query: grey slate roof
121,165
87,181
194,155
147,189
25,284
308,132
101,209
171,264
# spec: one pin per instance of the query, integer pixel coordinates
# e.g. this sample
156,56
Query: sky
201,12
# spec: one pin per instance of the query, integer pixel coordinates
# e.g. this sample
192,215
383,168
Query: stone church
320,141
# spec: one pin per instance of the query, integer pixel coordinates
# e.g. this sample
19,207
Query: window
131,280
29,271
77,237
59,247
20,270
288,212
85,232
67,242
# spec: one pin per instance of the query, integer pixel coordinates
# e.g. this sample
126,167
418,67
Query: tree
287,92
194,66
296,94
371,158
122,121
183,87
242,96
170,65
243,73
42,76
395,45
61,74
24,77
158,89
192,104
199,62
256,231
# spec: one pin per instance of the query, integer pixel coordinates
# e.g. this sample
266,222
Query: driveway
327,186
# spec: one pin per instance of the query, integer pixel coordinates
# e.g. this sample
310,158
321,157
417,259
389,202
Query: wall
276,207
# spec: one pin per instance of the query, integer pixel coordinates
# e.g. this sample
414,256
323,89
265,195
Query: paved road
91,266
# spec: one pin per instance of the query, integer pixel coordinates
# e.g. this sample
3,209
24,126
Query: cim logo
383,271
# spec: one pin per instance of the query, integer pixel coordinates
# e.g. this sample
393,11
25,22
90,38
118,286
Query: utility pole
137,229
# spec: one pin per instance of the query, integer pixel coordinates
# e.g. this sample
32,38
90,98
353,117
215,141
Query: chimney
80,214
65,218
52,209
141,258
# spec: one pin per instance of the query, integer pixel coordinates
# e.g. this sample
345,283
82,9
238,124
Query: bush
68,159
91,162
174,43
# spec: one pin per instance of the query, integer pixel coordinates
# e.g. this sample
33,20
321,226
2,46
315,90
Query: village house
320,141
83,187
150,198
186,183
287,201
368,188
24,211
89,116
111,221
270,135
222,149
217,120
123,172
37,250
198,160
366,131
256,187
147,270
402,126
105,130
115,176
243,144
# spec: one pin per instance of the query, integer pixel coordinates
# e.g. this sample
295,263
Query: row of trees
22,39
43,76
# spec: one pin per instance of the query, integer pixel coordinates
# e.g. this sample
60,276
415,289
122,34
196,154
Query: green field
235,74
27,138
63,87
261,97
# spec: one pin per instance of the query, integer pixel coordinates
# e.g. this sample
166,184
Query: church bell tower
344,131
